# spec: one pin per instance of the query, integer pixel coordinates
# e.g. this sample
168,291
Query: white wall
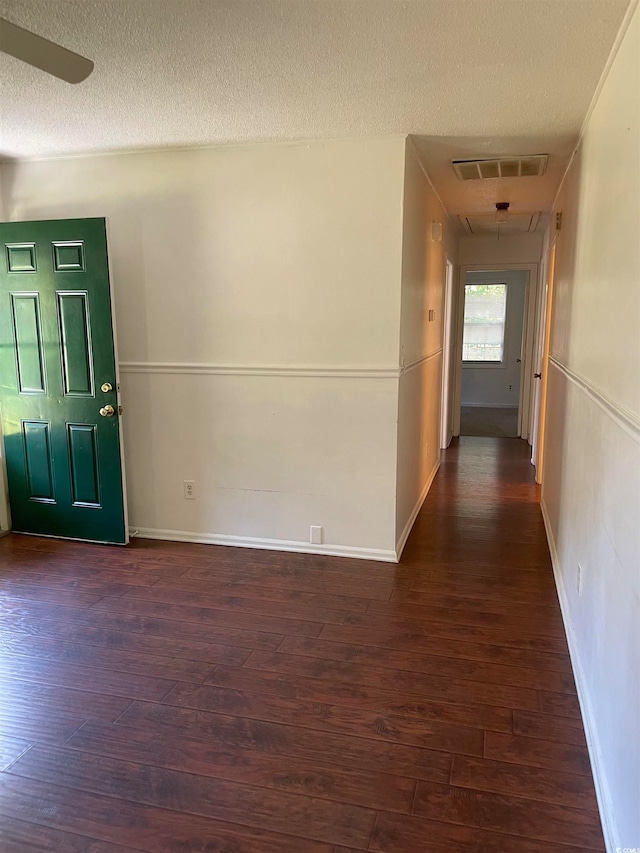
591,477
521,249
499,385
423,288
257,294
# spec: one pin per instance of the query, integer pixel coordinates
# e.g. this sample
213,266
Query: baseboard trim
402,541
600,781
377,554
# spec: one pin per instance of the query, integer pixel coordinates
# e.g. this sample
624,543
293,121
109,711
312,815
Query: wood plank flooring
176,698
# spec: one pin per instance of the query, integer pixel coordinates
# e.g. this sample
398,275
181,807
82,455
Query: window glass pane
484,314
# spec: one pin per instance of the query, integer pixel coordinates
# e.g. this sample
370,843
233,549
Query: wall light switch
315,535
432,315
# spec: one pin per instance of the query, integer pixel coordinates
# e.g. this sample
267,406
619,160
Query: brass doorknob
107,411
106,387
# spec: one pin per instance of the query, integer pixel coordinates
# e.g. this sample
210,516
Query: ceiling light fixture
502,212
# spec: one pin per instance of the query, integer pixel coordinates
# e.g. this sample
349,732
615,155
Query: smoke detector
529,166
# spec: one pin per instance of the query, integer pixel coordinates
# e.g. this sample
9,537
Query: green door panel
56,351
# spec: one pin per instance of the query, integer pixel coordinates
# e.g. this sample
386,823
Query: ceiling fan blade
44,54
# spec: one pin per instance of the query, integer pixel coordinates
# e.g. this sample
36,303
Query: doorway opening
494,348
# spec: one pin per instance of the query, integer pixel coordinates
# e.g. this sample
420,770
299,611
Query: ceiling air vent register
530,166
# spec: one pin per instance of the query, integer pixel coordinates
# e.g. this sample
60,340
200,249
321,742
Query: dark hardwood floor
177,698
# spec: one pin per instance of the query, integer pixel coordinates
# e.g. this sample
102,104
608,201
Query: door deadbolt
107,411
106,387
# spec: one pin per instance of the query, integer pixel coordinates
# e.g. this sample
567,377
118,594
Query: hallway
174,697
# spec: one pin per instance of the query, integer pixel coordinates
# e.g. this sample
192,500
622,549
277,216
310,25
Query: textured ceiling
465,76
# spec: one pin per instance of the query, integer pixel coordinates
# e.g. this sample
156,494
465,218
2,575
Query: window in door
485,308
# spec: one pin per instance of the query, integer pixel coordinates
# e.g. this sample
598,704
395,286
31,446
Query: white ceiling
467,77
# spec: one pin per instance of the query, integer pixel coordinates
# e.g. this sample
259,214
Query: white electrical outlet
189,490
579,578
315,535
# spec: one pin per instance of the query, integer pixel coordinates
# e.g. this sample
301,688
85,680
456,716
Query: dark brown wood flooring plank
32,700
228,731
162,656
59,653
532,611
500,777
437,687
135,554
239,581
358,696
283,773
52,728
86,588
329,718
456,667
504,589
84,678
187,793
547,727
401,834
28,611
325,606
534,752
560,704
482,552
443,528
512,815
446,647
18,836
11,748
142,544
189,640
53,595
75,575
187,606
278,564
89,624
458,606
92,566
146,828
484,628
21,543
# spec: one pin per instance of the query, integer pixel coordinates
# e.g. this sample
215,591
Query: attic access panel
485,224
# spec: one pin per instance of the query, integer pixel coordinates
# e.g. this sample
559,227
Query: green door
58,394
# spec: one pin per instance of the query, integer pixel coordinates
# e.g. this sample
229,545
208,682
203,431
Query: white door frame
543,330
527,370
445,418
541,313
125,502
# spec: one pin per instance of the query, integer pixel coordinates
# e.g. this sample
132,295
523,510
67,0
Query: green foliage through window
484,318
